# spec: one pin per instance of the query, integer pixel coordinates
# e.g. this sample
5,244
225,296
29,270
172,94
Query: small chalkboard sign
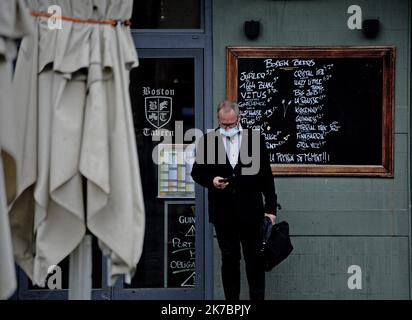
322,110
180,245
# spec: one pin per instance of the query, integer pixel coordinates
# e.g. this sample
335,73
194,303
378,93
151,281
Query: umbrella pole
80,270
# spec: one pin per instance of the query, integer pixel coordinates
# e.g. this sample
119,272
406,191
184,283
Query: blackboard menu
325,110
180,247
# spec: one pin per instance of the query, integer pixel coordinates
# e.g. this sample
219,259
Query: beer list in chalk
181,250
286,99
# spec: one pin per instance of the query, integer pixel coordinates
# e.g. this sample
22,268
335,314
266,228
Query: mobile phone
224,180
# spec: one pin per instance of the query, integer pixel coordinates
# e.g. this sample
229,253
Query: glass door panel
166,100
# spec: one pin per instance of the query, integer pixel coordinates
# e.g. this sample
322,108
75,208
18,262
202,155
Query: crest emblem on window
158,110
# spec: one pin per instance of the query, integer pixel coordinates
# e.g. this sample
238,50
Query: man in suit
233,164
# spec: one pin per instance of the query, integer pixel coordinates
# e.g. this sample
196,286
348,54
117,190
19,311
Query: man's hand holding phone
220,182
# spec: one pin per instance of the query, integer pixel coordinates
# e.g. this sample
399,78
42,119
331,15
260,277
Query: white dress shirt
232,146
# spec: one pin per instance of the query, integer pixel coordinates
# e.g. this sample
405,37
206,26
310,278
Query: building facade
352,234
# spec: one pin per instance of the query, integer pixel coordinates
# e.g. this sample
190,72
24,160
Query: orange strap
78,20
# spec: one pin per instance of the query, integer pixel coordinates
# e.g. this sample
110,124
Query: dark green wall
335,222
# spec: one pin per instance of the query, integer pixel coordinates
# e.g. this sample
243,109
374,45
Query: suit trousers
231,236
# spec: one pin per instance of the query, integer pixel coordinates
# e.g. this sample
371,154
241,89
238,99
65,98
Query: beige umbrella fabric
14,24
7,274
75,109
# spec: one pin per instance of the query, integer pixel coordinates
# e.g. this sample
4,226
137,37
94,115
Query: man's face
228,119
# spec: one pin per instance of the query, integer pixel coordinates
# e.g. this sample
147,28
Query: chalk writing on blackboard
262,94
180,245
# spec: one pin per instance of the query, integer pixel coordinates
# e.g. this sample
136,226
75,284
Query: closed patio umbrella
74,127
7,273
14,24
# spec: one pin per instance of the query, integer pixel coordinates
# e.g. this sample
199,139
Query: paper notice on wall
175,166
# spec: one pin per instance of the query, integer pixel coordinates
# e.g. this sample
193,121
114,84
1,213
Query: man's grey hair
227,105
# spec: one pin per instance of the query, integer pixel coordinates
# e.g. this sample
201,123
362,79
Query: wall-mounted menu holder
322,110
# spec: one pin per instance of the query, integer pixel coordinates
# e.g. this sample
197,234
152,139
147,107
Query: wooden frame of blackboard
386,53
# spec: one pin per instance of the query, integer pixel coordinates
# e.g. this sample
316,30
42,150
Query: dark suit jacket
242,198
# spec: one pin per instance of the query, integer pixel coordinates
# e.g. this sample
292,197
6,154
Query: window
166,14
